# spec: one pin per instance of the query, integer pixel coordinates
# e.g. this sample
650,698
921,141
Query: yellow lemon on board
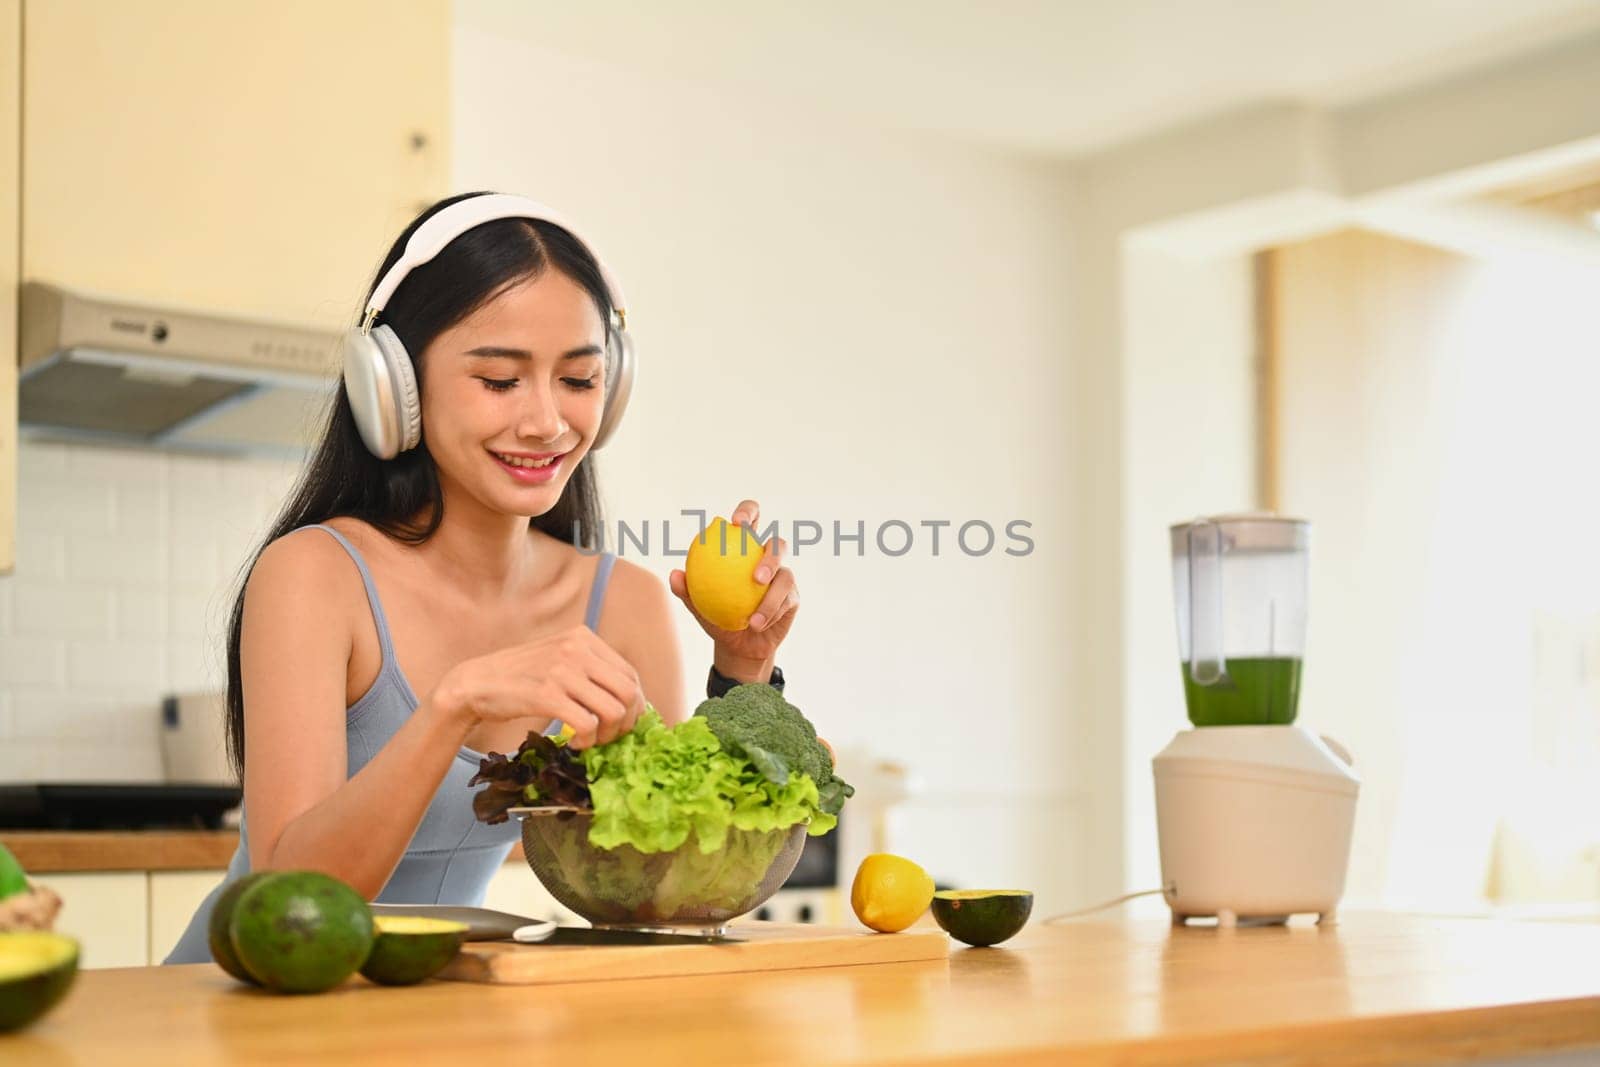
890,892
720,574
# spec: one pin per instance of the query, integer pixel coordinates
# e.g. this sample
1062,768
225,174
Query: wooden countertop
58,851
1377,989
62,851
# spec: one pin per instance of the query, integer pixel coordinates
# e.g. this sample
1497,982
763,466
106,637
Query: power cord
1106,904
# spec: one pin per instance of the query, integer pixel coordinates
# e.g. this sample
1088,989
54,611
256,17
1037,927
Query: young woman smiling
422,598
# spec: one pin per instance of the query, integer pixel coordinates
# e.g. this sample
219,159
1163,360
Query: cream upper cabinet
253,156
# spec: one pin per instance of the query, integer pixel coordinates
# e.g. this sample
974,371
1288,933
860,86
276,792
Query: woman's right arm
295,653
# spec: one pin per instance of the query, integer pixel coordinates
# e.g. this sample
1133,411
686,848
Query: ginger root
34,909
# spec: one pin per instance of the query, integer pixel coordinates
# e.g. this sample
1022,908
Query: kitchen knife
486,924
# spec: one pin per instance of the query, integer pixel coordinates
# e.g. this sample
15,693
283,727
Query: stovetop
115,805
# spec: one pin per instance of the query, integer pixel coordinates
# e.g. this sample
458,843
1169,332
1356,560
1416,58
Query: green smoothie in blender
1254,691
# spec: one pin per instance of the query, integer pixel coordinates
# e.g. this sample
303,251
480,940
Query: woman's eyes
500,385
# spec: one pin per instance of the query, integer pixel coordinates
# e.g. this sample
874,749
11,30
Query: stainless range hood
94,368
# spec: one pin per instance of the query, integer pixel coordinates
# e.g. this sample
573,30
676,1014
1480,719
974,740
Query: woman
424,576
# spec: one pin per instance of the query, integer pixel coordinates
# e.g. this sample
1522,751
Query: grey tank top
452,855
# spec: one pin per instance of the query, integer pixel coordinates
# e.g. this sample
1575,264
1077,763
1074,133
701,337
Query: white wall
847,324
125,562
1205,194
1445,443
1189,443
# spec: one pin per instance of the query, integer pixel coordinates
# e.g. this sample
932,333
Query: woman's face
518,381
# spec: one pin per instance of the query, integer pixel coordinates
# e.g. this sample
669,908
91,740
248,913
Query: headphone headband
451,222
379,378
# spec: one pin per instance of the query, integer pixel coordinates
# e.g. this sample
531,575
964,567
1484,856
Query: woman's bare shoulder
635,586
637,621
306,565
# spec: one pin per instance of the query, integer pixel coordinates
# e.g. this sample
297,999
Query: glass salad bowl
664,891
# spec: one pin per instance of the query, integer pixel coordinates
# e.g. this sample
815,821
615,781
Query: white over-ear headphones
378,374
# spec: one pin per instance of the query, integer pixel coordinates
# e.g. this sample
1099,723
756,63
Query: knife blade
485,924
585,935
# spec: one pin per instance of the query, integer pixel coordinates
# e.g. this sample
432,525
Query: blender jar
1239,582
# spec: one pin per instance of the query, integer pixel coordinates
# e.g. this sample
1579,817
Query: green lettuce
659,786
654,789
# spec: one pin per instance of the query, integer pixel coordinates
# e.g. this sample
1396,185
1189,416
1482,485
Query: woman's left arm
646,635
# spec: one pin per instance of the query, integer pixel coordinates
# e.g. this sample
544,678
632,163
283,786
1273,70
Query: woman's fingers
776,549
593,643
630,717
609,712
585,726
782,598
678,582
621,684
748,513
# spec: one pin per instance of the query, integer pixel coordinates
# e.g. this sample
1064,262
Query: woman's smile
528,469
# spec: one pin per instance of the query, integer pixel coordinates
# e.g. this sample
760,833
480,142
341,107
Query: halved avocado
410,948
220,922
36,970
982,917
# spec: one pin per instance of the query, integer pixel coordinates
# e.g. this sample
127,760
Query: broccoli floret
755,722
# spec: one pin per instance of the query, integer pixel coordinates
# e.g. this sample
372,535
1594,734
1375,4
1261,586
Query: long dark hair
401,496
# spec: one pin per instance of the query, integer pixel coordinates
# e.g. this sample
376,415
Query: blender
1254,812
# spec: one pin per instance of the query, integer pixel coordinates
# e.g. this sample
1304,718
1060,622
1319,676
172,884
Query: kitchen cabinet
10,267
174,895
108,912
252,157
130,918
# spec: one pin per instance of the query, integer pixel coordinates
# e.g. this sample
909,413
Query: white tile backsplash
125,561
118,559
62,609
73,511
133,665
138,614
41,553
73,716
34,661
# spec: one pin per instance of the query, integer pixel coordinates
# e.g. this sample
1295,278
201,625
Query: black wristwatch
718,684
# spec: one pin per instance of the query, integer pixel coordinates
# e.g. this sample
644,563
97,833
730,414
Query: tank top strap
597,591
385,643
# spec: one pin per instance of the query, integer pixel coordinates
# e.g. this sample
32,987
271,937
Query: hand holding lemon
736,588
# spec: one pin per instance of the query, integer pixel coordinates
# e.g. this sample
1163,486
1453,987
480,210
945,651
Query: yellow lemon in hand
720,574
890,892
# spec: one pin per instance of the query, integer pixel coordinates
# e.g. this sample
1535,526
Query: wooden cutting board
764,947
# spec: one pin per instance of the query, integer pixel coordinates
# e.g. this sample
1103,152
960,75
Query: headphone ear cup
382,391
408,405
621,365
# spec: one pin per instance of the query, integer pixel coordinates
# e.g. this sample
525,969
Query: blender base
1227,920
